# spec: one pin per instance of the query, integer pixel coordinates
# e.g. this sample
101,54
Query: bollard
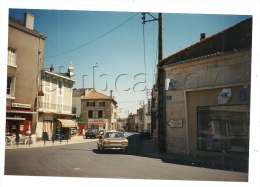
60,137
44,137
53,138
17,140
67,137
29,140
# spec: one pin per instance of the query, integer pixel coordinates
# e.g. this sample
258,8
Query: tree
83,118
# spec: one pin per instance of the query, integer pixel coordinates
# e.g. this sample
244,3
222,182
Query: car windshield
114,135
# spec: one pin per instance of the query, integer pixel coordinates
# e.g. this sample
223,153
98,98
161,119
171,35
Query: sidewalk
73,140
150,149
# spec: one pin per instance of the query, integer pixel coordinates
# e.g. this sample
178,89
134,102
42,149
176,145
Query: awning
96,123
10,118
67,123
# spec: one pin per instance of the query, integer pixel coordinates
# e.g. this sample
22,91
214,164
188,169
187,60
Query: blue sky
124,49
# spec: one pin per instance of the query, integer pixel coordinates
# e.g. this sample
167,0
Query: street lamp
60,67
94,77
83,80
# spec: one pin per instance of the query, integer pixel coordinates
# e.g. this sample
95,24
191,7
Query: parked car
112,140
90,133
144,134
121,130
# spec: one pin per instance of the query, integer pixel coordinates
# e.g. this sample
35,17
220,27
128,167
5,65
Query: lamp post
60,67
83,80
94,77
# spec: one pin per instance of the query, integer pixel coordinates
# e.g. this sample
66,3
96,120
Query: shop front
19,119
98,124
63,128
216,128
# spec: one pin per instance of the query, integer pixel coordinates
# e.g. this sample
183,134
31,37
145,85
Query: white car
112,140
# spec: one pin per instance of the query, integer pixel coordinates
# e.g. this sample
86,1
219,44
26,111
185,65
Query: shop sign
155,93
224,96
175,123
20,105
169,84
169,97
149,107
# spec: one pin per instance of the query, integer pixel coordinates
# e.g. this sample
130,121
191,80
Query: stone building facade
208,95
100,110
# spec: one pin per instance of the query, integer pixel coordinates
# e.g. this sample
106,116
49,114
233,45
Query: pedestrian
154,135
83,132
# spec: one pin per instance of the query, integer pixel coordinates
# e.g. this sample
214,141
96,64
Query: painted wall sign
243,95
224,96
169,84
20,105
175,123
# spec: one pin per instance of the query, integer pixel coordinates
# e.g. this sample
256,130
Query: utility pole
159,116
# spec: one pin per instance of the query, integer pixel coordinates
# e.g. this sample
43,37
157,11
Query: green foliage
82,118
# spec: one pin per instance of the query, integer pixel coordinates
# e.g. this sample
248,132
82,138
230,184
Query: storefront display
223,128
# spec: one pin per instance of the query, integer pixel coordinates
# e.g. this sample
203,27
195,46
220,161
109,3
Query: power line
94,39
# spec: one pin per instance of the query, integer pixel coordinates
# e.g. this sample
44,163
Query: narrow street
85,161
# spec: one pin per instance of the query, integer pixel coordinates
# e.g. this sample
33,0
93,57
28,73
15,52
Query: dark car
90,133
144,134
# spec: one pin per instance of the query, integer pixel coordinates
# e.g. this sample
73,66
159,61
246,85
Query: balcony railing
49,107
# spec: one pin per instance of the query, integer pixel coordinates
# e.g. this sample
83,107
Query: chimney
71,69
52,68
111,93
202,36
28,20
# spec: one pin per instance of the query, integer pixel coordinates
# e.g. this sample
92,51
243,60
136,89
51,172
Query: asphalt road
84,160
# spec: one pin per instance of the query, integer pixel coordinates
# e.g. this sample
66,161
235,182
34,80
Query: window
100,114
47,101
59,106
10,87
90,103
60,84
101,104
11,59
90,114
223,128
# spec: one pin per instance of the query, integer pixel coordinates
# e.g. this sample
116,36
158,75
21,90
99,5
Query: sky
111,35
123,49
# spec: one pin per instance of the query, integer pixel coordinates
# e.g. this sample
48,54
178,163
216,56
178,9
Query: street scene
129,95
68,159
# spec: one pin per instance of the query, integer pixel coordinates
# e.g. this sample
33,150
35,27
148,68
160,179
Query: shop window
223,128
90,114
100,114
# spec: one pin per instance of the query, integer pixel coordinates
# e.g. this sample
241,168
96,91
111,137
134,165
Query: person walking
83,132
154,135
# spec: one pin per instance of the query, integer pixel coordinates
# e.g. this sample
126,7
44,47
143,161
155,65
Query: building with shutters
24,61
